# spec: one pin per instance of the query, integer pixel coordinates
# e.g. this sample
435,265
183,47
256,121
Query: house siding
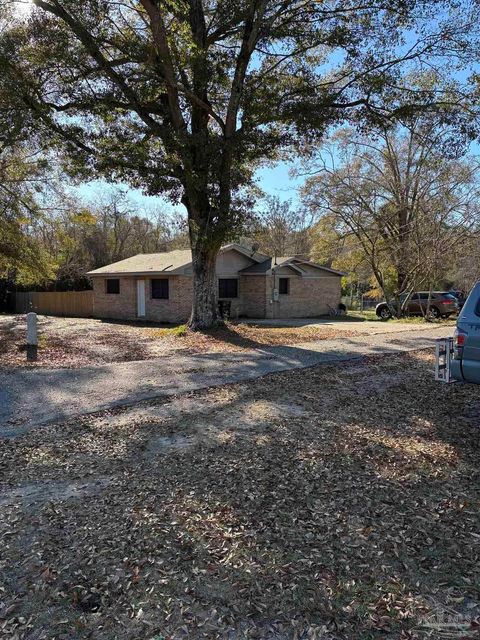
230,263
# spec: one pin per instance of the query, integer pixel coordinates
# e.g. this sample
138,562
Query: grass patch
360,315
42,342
178,332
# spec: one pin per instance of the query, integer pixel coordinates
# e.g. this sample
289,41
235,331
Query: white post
32,328
437,359
443,358
32,336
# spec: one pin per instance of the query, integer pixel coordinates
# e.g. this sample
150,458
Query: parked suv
465,365
442,305
460,296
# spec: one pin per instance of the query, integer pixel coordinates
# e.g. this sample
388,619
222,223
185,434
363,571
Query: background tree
23,176
187,97
464,269
407,205
332,247
78,236
280,230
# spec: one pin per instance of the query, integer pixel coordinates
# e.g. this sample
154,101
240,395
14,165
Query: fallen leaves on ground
74,342
236,336
241,336
337,502
80,342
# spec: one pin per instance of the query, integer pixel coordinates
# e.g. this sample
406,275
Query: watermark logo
450,626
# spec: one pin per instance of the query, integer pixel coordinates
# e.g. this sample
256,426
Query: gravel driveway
34,396
68,343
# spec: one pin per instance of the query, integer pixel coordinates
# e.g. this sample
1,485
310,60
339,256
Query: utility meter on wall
275,294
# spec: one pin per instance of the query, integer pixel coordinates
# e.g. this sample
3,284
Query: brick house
159,286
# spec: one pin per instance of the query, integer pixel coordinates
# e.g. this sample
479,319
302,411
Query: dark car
460,297
442,305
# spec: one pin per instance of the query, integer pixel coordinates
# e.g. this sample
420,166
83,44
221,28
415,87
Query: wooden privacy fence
56,303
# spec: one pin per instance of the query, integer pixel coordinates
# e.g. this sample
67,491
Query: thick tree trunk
207,230
204,309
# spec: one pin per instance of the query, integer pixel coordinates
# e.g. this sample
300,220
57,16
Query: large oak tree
187,97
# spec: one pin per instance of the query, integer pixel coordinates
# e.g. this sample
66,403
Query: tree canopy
395,198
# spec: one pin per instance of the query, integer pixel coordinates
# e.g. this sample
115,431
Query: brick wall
179,304
121,306
250,301
253,296
308,297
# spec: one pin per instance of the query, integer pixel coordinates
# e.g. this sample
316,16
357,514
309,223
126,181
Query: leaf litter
305,504
80,342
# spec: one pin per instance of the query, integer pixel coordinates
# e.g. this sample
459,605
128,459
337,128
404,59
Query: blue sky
274,181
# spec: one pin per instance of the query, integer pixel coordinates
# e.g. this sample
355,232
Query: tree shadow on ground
340,501
150,324
57,393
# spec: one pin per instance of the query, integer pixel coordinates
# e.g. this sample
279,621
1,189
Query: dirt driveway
80,342
29,397
336,502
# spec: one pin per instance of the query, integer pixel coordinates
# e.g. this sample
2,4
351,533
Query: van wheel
384,313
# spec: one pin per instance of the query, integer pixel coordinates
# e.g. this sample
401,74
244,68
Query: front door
140,298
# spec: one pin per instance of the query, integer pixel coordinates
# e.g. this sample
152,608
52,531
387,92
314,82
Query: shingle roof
169,261
148,263
264,266
286,261
172,261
